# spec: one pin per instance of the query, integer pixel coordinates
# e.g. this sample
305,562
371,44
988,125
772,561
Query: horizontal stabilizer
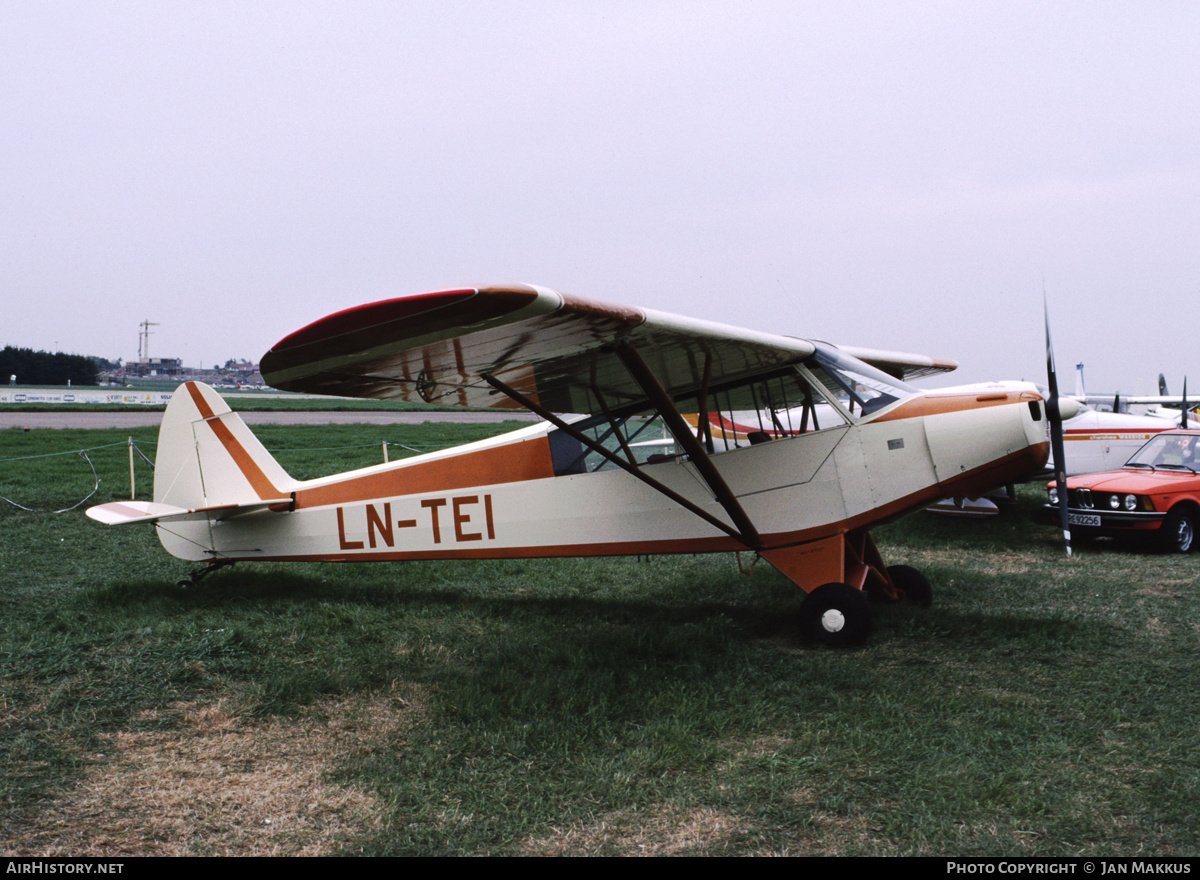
119,513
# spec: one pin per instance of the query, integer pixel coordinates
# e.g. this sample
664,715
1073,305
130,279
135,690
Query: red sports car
1155,495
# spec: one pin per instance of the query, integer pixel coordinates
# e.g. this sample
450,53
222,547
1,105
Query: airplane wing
1174,401
554,348
901,364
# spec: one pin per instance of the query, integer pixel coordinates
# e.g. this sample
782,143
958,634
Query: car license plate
1083,519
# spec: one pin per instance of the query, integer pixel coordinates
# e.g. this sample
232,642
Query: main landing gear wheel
835,615
1179,531
912,583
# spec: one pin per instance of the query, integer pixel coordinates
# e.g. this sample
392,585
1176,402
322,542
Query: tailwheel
835,615
194,577
914,585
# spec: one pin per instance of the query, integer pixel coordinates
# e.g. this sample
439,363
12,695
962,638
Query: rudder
207,457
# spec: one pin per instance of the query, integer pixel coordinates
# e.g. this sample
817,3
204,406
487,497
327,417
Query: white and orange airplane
840,445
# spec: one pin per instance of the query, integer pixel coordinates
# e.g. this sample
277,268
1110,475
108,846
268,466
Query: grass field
617,706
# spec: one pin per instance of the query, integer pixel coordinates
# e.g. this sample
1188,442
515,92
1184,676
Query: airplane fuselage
503,498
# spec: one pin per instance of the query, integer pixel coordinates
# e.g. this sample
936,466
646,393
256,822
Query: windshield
860,387
1170,451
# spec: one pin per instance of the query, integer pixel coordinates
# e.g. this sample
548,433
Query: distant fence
34,395
135,452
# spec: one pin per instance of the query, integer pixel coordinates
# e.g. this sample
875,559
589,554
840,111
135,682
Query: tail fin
207,457
209,468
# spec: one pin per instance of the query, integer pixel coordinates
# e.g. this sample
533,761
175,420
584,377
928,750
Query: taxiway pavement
44,420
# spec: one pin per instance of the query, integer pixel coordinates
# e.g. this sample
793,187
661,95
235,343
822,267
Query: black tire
1178,531
912,583
836,615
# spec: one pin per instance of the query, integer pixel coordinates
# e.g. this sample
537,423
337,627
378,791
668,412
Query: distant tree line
43,368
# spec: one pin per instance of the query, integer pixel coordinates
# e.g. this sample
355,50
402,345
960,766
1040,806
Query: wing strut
644,376
591,444
703,425
616,429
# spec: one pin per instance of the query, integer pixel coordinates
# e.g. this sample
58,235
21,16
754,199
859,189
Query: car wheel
1179,531
835,615
912,583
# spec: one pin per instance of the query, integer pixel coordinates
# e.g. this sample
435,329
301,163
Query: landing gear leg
837,572
195,576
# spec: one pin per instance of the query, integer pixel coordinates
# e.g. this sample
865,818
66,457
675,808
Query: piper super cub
840,444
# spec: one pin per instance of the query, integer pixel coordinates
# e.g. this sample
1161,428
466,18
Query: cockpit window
637,439
786,403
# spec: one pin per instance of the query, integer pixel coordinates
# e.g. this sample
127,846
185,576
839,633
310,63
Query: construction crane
144,339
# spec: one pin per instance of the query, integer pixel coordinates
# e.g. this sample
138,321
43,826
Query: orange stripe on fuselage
259,481
512,463
935,404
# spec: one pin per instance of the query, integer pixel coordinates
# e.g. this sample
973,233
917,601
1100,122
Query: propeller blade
1184,409
1162,385
1117,402
1056,432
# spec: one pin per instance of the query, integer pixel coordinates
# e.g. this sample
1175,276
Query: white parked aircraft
842,446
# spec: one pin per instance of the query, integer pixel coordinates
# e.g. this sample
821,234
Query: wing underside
555,349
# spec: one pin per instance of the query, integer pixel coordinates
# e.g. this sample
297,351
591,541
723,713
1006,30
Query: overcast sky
894,175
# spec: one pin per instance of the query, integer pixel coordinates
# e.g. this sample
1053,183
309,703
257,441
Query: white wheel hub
833,620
